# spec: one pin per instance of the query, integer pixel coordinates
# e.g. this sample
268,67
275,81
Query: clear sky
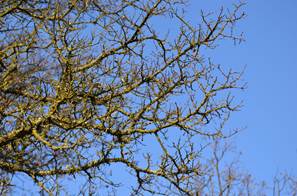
269,144
270,113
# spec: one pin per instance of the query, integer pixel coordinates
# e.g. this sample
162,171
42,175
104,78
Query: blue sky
269,143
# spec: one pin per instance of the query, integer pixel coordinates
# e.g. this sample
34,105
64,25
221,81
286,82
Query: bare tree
224,176
86,85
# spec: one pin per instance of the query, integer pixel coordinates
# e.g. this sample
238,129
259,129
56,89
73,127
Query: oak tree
88,85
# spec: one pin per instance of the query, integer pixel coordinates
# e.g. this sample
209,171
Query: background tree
223,175
86,85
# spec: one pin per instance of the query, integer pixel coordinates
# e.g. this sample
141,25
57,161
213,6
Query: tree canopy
87,85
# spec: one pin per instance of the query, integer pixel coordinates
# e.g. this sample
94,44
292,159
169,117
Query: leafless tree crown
88,85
